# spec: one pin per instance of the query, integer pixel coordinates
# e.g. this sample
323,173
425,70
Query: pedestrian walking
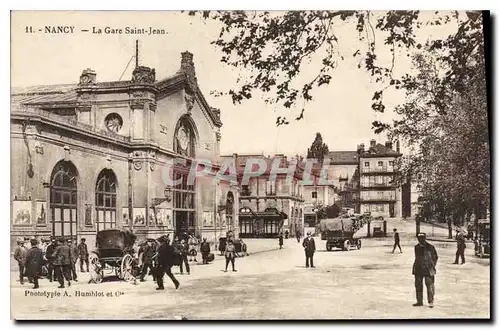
34,263
280,240
297,235
167,257
147,259
230,254
396,241
205,251
83,254
49,255
460,249
287,233
470,231
20,254
424,269
74,258
62,263
309,248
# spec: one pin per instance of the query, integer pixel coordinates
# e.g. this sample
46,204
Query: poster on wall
21,211
164,217
139,216
152,216
125,218
88,215
208,219
41,213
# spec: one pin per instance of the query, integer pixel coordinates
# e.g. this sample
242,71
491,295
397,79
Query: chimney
372,143
235,160
397,147
388,144
187,65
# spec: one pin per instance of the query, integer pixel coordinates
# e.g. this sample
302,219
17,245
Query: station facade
94,155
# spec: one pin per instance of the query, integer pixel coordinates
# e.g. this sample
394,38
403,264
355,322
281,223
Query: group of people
55,258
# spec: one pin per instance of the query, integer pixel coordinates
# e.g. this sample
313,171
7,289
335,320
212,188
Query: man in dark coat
424,268
205,250
34,262
74,258
460,249
183,248
280,240
49,255
20,256
83,254
62,263
167,257
147,259
396,241
309,248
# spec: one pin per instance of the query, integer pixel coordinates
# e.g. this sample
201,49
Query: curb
444,240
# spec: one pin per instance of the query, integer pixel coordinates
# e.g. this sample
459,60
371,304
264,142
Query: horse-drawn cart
114,252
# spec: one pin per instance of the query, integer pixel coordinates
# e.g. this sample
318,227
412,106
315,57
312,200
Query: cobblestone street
370,283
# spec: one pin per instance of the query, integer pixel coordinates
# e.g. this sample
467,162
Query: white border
199,4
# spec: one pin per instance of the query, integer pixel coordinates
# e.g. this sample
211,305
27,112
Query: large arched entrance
184,192
105,200
63,200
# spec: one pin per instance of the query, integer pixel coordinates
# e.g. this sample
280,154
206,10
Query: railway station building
94,155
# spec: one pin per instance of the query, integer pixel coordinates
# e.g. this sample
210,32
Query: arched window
63,200
185,137
105,200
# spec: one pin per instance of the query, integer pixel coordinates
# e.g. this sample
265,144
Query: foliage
452,162
318,148
275,46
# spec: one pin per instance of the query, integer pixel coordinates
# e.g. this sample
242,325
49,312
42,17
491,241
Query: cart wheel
358,244
346,245
127,268
244,248
328,247
95,268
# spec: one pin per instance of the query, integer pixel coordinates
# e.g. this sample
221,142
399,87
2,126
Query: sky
340,111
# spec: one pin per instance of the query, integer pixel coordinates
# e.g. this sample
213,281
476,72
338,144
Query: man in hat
424,268
20,256
148,253
62,263
184,249
309,248
83,254
49,255
396,241
167,256
205,250
460,248
74,258
34,262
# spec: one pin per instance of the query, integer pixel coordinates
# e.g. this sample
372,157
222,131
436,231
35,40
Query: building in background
267,207
91,155
379,192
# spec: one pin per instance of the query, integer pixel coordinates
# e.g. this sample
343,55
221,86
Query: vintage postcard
250,165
